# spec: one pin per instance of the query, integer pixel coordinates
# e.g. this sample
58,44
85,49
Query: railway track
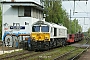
68,54
29,54
23,55
34,55
14,55
74,57
65,55
78,55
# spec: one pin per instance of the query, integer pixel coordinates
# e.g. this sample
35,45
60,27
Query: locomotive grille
40,36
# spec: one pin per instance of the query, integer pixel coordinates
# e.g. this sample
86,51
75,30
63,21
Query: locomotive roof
50,24
57,26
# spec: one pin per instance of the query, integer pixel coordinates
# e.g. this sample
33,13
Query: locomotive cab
47,35
40,35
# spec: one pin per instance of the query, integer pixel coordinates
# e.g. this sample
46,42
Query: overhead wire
81,7
71,5
86,11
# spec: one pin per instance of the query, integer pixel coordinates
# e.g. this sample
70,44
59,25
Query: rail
14,55
70,52
78,55
63,55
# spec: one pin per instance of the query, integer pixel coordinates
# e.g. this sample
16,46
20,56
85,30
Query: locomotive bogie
40,45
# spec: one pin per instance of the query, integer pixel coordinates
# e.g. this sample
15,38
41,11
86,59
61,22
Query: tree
55,13
75,27
88,32
0,24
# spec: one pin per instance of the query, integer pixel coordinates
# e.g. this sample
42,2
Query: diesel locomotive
47,35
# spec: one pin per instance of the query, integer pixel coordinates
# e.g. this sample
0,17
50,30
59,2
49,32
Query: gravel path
7,50
85,56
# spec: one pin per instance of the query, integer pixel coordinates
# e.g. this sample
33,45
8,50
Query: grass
83,41
74,53
48,55
53,54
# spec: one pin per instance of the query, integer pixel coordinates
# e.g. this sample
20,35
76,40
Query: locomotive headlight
46,38
33,38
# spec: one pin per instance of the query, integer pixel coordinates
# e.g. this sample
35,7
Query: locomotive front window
44,28
36,29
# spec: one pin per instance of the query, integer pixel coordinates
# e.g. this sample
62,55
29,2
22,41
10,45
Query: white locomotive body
57,31
47,35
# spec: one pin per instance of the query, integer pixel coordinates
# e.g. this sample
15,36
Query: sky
83,9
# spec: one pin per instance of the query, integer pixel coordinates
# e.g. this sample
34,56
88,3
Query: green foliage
75,27
88,32
53,12
85,34
0,24
56,14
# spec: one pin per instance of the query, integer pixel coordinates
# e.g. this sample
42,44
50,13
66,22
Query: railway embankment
66,52
86,55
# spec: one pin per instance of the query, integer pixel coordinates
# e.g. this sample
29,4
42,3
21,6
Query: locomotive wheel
31,48
47,46
63,42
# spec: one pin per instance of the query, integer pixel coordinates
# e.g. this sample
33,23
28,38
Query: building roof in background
22,2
